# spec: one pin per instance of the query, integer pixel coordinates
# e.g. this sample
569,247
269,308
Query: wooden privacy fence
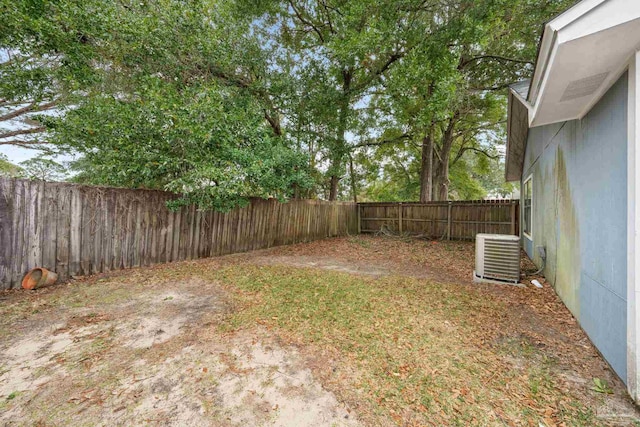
451,220
79,230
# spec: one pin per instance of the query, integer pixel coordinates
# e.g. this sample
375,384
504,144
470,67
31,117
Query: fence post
400,218
359,219
449,221
514,212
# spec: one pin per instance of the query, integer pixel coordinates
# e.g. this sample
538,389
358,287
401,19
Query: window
527,202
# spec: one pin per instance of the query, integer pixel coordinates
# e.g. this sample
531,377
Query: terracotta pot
38,277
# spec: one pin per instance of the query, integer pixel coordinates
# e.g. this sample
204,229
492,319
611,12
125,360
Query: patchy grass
392,327
408,348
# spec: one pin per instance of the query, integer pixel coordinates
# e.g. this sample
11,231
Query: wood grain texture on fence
459,220
78,230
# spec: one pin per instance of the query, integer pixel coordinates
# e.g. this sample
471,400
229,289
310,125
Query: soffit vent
583,87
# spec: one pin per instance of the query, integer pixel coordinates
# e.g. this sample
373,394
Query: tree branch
306,22
246,84
31,108
477,150
499,58
478,129
274,122
376,73
19,132
383,141
328,14
490,88
31,145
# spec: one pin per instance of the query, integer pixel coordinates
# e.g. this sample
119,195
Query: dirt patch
266,383
325,263
153,356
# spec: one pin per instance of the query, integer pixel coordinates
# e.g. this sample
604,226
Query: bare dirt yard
355,331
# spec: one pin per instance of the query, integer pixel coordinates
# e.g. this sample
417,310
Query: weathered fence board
459,220
77,230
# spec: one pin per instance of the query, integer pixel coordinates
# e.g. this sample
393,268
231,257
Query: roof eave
547,47
517,131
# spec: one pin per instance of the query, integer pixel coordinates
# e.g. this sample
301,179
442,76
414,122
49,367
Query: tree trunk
354,189
441,178
436,183
339,150
426,168
333,191
274,122
443,184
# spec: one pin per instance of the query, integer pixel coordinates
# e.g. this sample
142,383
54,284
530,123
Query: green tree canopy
222,100
43,169
8,169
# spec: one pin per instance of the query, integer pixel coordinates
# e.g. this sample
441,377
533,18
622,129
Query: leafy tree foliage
8,169
172,97
221,100
209,145
45,55
43,169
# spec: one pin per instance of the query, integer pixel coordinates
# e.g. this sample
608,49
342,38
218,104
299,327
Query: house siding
579,171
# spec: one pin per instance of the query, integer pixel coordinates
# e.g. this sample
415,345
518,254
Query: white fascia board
574,13
588,17
633,228
540,94
549,44
546,44
607,14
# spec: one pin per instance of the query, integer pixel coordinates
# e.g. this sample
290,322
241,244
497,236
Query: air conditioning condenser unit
497,258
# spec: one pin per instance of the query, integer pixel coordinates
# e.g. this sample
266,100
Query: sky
19,154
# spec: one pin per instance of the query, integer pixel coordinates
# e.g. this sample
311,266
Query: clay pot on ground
38,277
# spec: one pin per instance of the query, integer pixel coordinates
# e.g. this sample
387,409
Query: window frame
528,235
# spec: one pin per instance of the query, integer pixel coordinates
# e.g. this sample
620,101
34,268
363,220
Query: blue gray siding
579,171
